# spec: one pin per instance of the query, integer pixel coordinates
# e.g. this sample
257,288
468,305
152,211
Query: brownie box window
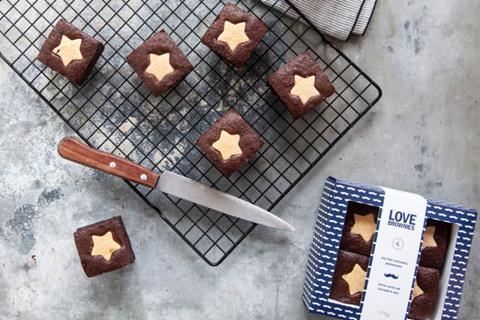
435,244
424,294
349,277
356,246
359,228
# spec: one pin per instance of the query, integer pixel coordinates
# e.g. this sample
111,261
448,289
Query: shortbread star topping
68,50
233,34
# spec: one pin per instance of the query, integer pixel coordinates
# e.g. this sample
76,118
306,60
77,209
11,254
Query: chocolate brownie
301,85
230,142
435,243
349,277
235,34
70,52
425,294
360,225
103,246
159,62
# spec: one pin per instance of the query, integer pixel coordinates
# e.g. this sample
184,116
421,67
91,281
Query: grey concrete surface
423,136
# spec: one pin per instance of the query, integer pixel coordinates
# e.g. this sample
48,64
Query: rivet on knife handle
75,150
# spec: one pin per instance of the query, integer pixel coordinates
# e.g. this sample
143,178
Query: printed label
395,256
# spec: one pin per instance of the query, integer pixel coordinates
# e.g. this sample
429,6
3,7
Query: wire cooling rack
113,110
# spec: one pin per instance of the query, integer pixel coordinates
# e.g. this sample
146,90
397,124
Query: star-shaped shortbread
428,239
68,50
227,145
104,245
364,225
159,65
233,34
417,291
355,279
304,88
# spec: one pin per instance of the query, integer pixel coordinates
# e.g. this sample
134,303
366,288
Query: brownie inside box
425,293
235,34
103,246
301,85
230,142
435,244
349,277
359,228
159,62
356,242
70,52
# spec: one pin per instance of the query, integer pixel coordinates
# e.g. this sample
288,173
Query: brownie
360,222
159,62
295,78
103,246
434,248
70,52
423,305
230,142
350,268
243,29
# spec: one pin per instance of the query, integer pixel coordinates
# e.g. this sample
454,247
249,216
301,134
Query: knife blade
168,182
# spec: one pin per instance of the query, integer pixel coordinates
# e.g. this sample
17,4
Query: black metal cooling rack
113,110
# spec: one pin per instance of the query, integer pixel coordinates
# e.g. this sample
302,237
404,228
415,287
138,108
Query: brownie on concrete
301,85
235,34
159,62
103,246
230,142
425,293
435,243
70,52
349,277
359,228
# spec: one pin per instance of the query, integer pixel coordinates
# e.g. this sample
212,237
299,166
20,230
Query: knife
168,182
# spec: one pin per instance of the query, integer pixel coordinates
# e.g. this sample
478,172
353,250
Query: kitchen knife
182,187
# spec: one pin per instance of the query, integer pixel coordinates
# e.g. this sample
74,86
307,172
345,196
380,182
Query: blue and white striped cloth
336,18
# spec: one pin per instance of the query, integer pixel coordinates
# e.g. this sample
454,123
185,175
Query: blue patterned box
326,243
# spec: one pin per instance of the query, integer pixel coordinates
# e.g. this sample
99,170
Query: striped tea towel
336,18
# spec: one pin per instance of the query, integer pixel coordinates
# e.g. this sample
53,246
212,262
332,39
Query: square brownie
349,277
435,243
70,52
234,34
230,142
359,228
425,293
159,62
301,85
103,246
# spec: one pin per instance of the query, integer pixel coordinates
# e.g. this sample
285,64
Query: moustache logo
391,275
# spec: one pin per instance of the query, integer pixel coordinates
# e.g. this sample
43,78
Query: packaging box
417,262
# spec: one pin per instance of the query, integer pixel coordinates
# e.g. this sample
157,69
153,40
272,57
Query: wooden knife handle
74,150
